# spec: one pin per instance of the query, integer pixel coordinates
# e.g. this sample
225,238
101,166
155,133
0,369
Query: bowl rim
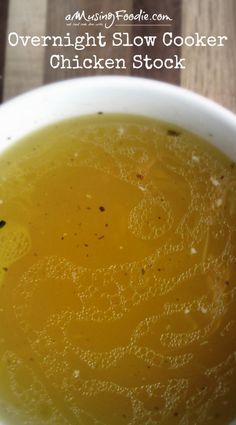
186,93
141,96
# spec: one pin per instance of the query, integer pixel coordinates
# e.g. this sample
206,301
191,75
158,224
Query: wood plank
24,65
211,70
57,10
171,8
3,28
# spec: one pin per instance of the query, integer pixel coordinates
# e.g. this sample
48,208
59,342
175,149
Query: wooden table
210,71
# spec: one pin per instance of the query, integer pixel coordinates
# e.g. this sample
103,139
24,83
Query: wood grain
211,70
24,66
57,10
171,8
3,27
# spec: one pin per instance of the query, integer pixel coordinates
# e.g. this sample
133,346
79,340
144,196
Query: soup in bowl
117,266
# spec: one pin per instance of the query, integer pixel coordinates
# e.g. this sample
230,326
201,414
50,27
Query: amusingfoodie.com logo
117,18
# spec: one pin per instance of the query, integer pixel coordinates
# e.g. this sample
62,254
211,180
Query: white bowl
151,98
70,98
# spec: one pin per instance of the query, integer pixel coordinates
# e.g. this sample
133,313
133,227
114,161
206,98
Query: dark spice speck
102,209
2,223
173,133
140,176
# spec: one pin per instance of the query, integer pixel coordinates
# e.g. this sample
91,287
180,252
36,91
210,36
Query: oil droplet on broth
117,265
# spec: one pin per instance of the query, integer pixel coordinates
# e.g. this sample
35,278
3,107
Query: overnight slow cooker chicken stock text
119,39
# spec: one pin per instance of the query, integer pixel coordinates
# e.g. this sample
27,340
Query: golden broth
117,276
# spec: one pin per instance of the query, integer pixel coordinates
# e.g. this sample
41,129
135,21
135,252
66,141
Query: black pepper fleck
102,209
143,271
101,237
174,133
5,269
2,223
